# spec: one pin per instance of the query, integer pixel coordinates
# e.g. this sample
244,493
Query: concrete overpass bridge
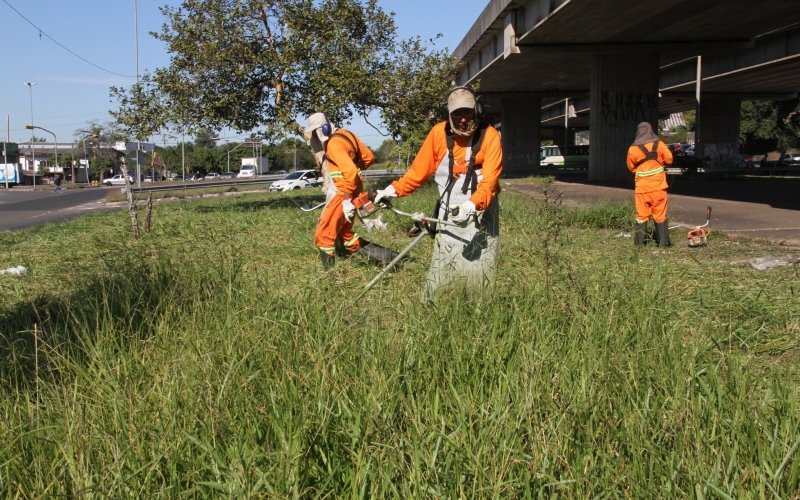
607,65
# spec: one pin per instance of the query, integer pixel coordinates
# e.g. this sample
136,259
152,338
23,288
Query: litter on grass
16,270
376,223
763,263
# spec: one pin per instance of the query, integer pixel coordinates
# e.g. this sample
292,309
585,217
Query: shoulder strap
471,181
652,154
353,144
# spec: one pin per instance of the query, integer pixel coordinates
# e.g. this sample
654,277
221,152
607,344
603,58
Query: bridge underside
620,62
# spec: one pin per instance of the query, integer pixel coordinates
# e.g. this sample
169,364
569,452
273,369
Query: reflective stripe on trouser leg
333,225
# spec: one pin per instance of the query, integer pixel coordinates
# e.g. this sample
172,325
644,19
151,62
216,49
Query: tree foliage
259,65
767,125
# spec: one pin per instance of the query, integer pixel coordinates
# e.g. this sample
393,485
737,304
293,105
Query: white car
299,179
212,176
117,180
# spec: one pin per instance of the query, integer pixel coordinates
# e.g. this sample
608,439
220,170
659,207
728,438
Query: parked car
247,172
117,180
212,176
299,179
792,159
227,175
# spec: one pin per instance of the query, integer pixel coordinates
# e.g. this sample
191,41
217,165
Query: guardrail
264,179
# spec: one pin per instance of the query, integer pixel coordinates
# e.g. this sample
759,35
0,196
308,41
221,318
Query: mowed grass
213,357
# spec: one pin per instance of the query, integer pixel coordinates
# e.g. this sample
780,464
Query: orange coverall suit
650,192
344,182
433,154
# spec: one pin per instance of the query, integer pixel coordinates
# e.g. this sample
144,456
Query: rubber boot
327,260
376,253
639,235
662,234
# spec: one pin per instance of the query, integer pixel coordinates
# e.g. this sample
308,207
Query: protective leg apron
463,258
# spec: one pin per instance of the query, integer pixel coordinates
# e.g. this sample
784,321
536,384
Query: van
247,172
577,157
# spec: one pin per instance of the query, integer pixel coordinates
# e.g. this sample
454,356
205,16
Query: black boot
376,253
327,260
662,233
639,235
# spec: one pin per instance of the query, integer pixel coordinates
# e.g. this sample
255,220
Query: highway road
24,208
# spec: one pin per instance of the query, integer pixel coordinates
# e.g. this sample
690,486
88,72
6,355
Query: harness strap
648,155
471,179
341,133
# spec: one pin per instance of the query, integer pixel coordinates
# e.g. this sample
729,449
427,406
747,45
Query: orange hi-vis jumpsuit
650,192
342,150
432,159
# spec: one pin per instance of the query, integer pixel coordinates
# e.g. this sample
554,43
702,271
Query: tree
98,139
258,65
763,126
205,139
282,156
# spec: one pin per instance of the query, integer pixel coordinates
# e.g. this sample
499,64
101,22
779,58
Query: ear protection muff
326,130
479,106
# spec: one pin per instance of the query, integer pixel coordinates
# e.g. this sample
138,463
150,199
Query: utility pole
5,150
33,158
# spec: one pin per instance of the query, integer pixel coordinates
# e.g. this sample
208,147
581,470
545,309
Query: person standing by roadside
647,157
464,156
57,179
343,156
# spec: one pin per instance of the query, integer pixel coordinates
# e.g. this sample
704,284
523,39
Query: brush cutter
305,208
697,235
365,206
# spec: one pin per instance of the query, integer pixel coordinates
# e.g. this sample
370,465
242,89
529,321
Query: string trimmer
697,235
365,206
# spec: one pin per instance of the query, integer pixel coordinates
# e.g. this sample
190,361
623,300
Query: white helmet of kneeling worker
318,130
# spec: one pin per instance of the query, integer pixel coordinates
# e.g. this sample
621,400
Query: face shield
462,112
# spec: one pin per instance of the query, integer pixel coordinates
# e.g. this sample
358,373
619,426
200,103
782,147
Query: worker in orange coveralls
343,157
647,157
464,156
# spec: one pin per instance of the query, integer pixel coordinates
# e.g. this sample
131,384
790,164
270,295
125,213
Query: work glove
385,194
464,212
348,209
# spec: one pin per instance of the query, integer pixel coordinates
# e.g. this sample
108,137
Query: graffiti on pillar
722,155
628,106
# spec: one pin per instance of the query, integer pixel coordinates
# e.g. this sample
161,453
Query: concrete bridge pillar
718,131
520,134
624,92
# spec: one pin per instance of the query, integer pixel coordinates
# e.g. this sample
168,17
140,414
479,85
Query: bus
576,157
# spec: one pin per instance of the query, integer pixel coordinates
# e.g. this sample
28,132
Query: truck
259,166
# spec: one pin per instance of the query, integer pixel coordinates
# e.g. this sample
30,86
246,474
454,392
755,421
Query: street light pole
31,127
231,151
33,158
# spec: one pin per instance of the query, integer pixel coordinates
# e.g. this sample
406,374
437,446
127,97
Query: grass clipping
213,356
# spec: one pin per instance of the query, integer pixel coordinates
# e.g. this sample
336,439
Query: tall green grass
213,357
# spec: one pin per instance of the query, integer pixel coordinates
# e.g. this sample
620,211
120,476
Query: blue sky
78,49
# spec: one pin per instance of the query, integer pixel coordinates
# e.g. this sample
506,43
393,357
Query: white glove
465,211
348,209
385,194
